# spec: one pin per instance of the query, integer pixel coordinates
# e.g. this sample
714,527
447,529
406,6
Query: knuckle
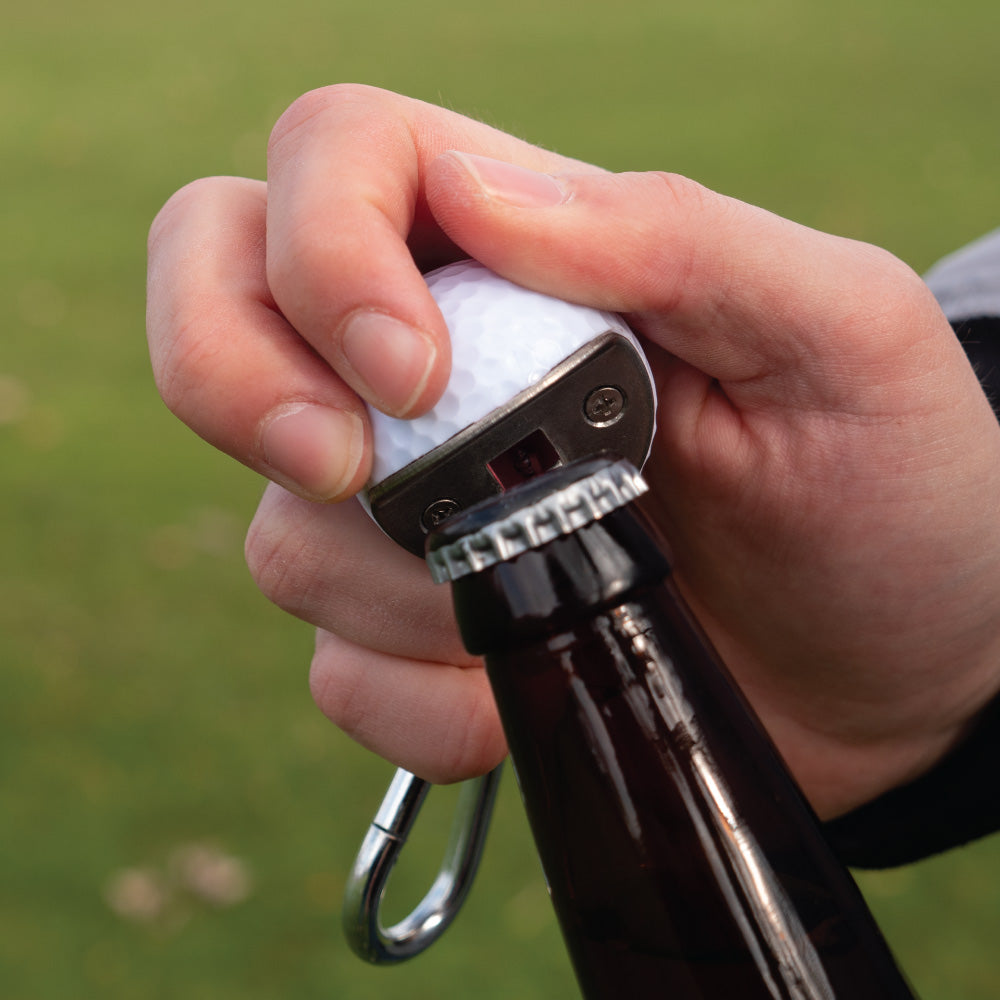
340,685
180,364
293,126
673,259
296,117
274,555
179,204
679,190
266,558
894,309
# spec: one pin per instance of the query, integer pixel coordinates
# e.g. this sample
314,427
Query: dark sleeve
980,336
959,800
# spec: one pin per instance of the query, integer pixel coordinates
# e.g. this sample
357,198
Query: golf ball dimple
504,339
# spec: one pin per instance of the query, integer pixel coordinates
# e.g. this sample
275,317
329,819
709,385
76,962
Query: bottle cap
555,503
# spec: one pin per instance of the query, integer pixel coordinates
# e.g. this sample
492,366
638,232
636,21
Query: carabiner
379,852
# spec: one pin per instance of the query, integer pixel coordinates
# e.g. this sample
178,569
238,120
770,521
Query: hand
826,467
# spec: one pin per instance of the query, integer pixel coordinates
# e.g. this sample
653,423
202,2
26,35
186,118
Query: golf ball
504,339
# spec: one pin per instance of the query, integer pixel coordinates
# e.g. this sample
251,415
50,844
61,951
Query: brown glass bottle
682,860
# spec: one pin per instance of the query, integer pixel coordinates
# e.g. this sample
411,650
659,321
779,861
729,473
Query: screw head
438,512
604,405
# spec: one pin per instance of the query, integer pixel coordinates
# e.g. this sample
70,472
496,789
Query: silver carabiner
379,851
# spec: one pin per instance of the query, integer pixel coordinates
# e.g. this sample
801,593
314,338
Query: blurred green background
176,819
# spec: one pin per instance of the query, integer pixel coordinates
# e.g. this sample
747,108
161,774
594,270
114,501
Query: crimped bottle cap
529,516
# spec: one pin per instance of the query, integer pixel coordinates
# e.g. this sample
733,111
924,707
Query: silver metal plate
599,400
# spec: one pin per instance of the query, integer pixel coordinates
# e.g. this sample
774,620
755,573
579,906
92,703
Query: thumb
744,296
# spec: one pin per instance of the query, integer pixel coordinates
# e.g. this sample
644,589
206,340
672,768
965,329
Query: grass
151,699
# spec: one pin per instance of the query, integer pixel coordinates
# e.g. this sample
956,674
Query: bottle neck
544,590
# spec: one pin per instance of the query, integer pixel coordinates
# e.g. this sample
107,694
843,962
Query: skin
826,466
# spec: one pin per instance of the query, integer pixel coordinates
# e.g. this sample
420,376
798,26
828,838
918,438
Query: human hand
826,467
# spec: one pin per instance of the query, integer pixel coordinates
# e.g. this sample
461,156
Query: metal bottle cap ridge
530,516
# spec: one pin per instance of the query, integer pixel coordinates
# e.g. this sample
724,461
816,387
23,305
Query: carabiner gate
379,852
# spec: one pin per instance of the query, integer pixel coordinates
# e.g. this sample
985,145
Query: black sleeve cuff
956,802
980,336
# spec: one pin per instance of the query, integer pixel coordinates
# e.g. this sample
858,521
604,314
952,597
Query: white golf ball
504,339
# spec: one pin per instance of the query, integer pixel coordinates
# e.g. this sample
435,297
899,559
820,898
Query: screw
438,512
604,405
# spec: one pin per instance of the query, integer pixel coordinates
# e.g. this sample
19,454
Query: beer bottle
681,858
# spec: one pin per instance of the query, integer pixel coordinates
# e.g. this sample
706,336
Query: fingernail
512,184
315,450
392,359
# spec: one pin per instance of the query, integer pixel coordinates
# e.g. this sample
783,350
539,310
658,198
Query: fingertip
316,451
397,367
501,181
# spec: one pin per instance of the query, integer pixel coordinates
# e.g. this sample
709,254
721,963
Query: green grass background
149,697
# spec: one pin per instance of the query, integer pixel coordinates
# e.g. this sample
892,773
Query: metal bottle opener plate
599,400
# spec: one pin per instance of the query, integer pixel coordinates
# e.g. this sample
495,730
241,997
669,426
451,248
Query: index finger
228,363
345,208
